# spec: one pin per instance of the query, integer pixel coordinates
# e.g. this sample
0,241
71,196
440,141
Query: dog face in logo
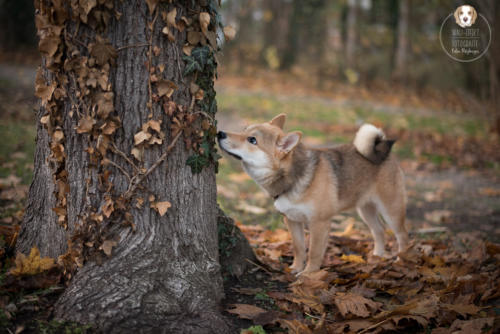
465,16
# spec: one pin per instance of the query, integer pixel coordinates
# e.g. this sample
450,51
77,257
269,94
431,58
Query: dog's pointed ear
474,15
289,141
457,18
279,121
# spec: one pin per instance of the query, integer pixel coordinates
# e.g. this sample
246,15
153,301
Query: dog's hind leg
368,212
299,245
394,212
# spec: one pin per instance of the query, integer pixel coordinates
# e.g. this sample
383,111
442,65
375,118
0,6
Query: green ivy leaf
201,55
197,162
191,65
207,148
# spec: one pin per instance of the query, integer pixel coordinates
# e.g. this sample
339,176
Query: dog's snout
221,135
465,19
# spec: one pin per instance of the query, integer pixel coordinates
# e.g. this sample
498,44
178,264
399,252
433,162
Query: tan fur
460,10
310,186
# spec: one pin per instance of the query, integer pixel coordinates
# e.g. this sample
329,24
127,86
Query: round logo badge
465,35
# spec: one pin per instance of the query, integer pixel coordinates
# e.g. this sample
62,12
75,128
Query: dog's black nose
221,135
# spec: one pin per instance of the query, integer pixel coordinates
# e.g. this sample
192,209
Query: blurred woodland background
379,44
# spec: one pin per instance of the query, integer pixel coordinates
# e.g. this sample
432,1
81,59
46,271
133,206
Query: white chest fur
298,212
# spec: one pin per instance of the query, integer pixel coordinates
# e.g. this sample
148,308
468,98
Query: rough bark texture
236,255
40,221
165,276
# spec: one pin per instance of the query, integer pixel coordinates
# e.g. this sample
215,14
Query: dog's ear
457,18
279,121
289,141
474,15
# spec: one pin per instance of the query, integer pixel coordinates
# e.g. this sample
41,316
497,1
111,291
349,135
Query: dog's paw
296,268
307,270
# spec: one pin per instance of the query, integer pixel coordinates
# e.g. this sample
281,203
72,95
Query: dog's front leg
299,246
318,240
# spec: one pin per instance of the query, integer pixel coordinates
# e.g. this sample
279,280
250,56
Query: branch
124,156
120,168
131,46
137,179
150,59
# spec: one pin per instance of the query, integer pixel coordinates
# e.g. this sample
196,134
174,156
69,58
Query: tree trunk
401,56
277,24
139,268
292,49
351,33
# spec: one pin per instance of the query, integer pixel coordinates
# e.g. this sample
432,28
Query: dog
311,185
465,16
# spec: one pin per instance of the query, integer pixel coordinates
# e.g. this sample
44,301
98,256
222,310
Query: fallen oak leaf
246,311
462,309
356,305
31,264
352,258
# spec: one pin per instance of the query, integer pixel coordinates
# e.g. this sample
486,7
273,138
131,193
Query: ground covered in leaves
442,284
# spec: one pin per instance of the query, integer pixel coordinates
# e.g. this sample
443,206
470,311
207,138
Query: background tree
402,41
124,185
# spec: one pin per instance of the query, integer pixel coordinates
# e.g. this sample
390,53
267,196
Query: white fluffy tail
366,139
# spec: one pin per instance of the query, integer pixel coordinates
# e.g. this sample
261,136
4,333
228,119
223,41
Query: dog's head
262,148
465,16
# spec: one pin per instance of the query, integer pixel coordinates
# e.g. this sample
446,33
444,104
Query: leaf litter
448,285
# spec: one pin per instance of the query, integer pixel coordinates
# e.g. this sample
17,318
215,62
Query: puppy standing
310,186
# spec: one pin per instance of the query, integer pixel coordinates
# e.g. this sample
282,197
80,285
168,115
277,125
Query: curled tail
372,143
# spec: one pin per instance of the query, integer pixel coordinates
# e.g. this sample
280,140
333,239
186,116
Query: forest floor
447,282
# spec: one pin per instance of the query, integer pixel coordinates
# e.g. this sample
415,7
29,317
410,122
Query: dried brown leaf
162,207
107,246
166,87
141,137
229,33
102,51
355,304
171,18
152,5
85,124
204,21
31,264
246,311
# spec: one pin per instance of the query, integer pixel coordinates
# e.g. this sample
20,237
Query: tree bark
162,274
351,33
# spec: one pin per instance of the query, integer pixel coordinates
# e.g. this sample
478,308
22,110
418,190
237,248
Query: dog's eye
252,140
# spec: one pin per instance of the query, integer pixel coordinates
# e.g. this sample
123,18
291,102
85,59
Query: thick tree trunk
162,274
401,56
